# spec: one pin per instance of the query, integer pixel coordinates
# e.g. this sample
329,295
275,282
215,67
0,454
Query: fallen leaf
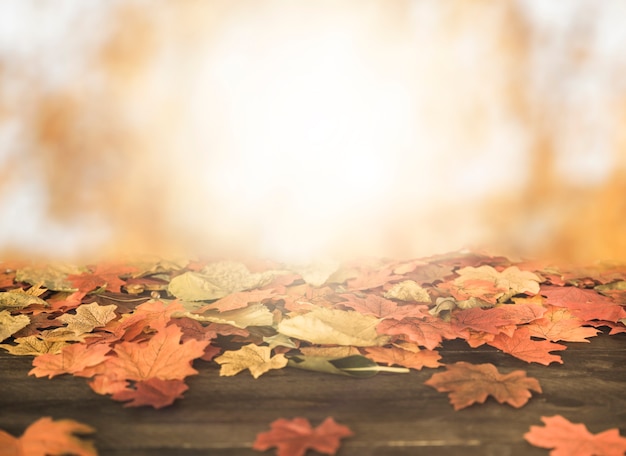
46,437
569,439
163,356
584,303
294,437
369,279
252,357
523,347
51,276
237,300
336,327
400,357
10,324
352,365
380,307
487,281
154,392
88,317
428,332
469,384
408,290
17,299
558,324
72,359
253,315
34,345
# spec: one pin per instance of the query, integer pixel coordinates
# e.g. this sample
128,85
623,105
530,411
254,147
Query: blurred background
300,130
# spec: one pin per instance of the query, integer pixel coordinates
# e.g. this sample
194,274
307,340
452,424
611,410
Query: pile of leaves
135,328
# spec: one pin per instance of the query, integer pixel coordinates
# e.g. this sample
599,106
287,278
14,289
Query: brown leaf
523,347
398,356
468,384
252,357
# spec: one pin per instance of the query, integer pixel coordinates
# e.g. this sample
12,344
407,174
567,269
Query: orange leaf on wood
468,384
395,355
569,439
73,359
294,437
47,437
523,347
153,391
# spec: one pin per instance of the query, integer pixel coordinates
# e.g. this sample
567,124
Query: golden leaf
256,359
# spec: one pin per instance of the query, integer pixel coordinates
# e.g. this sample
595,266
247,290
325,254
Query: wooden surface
390,414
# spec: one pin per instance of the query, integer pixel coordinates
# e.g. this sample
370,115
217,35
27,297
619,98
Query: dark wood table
390,414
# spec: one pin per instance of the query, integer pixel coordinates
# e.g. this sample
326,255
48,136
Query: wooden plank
391,414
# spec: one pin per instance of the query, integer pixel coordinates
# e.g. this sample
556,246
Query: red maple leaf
48,437
153,391
294,437
468,384
523,347
398,356
569,439
73,359
151,314
492,320
584,303
427,332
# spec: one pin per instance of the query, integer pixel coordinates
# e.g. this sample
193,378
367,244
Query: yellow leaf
88,317
256,359
11,324
336,327
34,346
409,290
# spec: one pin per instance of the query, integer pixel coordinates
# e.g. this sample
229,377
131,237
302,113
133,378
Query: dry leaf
9,324
468,384
88,317
569,439
398,356
252,357
33,345
46,437
336,327
294,437
408,290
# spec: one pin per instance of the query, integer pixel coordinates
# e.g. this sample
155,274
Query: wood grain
390,414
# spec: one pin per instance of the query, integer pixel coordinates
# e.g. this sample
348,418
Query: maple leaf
46,437
72,359
103,275
34,345
569,439
163,356
428,273
151,314
487,283
331,326
408,290
380,307
19,299
585,304
428,332
252,357
294,437
523,347
468,384
153,391
558,324
9,324
493,319
88,317
238,300
372,279
413,359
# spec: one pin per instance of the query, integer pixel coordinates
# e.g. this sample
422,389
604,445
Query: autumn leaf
51,276
253,315
9,324
558,324
569,439
428,332
103,275
34,345
493,319
237,300
88,317
331,326
294,437
258,360
154,392
380,307
487,283
46,437
408,290
583,303
369,279
18,299
73,359
398,356
469,384
163,356
523,347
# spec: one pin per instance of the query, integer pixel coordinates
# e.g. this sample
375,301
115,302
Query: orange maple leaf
427,332
569,439
237,300
523,347
468,384
47,437
395,355
73,359
382,308
584,303
558,324
163,356
294,437
154,392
